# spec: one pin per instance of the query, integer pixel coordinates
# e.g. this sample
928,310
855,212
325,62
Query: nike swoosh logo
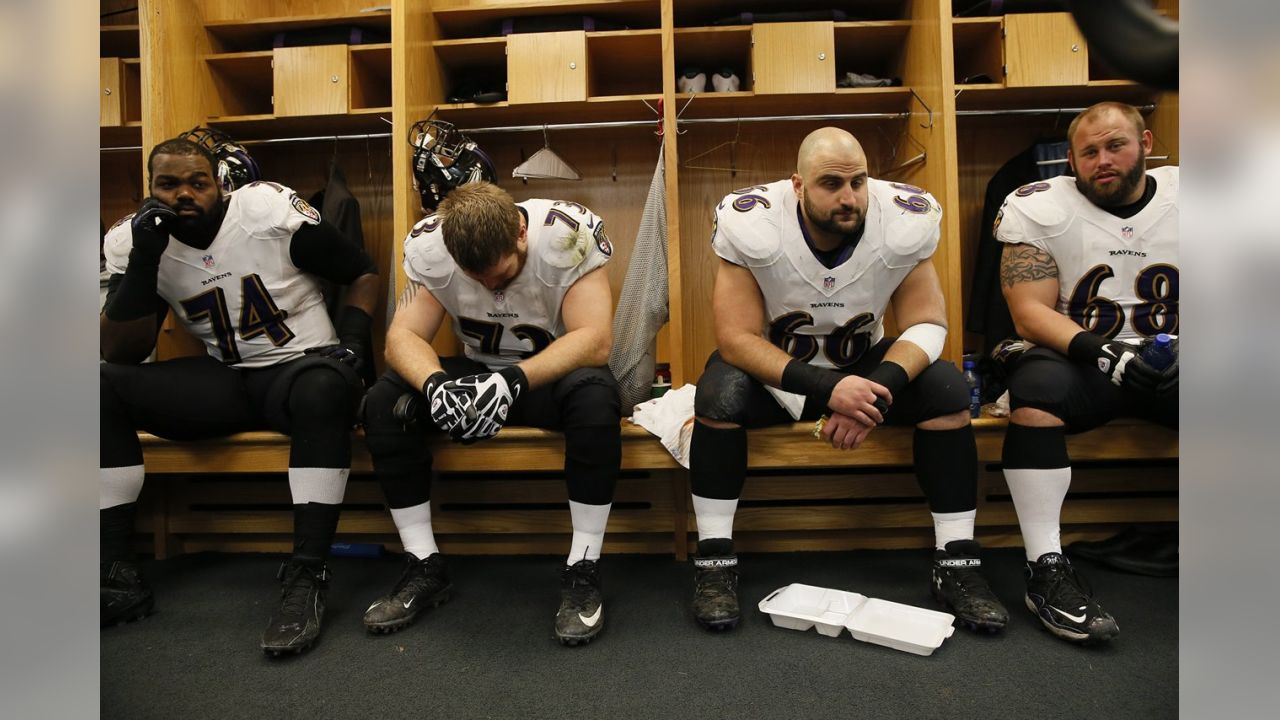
375,604
406,605
595,617
1107,350
1072,618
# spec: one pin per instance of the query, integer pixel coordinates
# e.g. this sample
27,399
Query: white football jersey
242,296
820,315
1117,277
499,328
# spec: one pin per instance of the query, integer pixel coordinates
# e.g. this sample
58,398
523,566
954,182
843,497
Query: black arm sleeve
323,250
113,286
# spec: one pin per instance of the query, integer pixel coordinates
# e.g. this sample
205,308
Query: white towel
670,417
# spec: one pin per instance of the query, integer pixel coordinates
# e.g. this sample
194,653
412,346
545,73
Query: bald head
831,184
828,144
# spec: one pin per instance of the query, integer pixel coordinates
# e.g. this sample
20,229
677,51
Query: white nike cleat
581,614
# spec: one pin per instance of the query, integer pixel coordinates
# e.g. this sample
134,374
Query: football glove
450,406
492,396
151,226
1120,361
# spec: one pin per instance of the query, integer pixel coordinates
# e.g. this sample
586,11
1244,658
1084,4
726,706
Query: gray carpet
489,653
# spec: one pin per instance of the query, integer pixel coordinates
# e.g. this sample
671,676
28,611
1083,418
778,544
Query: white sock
1037,497
119,485
715,517
952,526
318,485
414,526
589,522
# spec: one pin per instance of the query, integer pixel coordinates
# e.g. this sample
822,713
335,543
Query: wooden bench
506,495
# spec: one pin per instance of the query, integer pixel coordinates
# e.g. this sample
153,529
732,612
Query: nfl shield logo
208,261
1126,232
828,283
499,296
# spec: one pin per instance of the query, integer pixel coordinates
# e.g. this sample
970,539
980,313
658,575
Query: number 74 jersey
242,296
1117,277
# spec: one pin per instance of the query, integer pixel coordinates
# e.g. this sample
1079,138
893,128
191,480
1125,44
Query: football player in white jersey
1090,271
808,267
239,271
525,287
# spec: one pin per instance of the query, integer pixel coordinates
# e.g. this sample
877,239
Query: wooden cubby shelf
258,33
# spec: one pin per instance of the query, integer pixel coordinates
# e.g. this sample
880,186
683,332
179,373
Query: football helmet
443,159
236,168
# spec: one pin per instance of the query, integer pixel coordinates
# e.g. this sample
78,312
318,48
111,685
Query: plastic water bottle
975,389
1159,354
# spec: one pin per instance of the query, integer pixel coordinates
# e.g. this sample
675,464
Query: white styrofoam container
800,607
902,627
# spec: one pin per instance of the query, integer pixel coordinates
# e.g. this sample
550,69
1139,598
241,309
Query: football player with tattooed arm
240,271
808,267
525,288
1090,271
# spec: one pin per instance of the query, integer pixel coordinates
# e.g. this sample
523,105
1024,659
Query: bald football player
808,268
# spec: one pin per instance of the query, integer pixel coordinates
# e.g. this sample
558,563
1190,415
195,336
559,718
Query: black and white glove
1120,361
151,226
450,408
492,395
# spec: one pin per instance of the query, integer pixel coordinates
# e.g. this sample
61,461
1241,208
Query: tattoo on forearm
1025,263
410,292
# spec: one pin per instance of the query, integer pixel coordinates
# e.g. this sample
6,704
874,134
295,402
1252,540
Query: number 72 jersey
1117,277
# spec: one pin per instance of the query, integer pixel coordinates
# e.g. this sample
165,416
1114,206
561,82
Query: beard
1118,192
201,226
828,222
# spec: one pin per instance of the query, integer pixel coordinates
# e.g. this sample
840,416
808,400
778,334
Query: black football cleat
1064,604
125,596
581,614
423,585
295,625
959,586
715,585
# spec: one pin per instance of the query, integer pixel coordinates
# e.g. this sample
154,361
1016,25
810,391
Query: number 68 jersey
819,315
1117,277
498,328
242,296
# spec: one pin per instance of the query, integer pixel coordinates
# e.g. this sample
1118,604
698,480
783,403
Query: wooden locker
310,80
547,67
794,57
1044,49
111,97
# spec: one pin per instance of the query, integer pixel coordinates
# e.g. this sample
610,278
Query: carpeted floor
489,653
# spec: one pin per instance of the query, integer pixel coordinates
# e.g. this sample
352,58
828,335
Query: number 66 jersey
1117,277
819,315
